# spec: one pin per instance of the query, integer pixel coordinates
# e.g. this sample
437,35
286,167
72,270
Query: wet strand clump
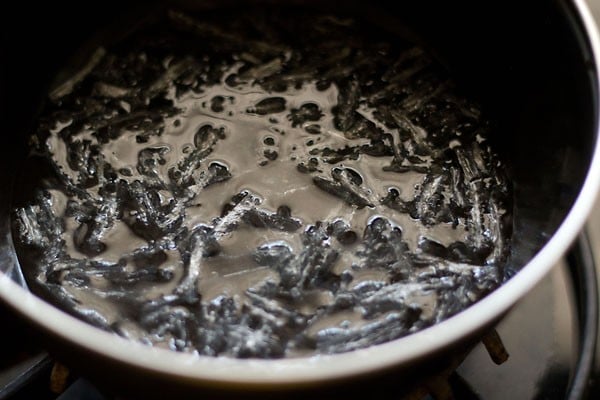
263,185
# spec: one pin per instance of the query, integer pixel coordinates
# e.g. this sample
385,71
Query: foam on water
264,191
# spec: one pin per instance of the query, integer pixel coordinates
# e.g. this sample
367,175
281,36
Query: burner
22,361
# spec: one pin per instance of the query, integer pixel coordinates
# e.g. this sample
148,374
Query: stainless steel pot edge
322,368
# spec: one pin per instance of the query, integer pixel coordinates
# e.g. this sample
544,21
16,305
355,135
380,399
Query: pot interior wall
528,62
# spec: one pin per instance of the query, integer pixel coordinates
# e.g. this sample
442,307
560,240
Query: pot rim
221,370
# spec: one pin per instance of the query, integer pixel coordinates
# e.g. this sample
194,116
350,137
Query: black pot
533,65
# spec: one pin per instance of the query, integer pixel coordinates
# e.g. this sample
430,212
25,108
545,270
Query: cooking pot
533,66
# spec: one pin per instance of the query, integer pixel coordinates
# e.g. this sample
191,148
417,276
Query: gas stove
550,337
